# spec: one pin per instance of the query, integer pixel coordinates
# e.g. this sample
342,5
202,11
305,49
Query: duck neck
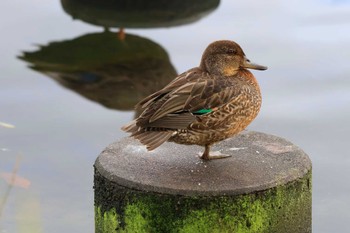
248,77
218,68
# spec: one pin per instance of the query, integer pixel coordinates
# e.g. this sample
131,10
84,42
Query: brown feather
182,79
173,104
153,139
197,94
173,121
130,127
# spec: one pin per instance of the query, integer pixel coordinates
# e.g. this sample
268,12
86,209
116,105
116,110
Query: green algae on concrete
264,187
106,221
286,208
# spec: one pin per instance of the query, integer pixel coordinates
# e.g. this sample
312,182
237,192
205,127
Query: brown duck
204,105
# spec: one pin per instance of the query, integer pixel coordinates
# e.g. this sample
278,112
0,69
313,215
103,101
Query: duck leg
121,34
214,155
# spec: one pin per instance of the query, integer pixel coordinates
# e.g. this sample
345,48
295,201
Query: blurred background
72,70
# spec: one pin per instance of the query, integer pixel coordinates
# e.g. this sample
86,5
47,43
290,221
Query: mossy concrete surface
222,200
284,209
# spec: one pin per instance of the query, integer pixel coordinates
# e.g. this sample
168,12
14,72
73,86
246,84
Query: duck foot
212,155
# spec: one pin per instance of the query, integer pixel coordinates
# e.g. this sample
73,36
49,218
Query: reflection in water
6,125
139,13
116,69
101,67
11,179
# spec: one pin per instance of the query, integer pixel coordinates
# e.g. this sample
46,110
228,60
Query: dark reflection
103,68
116,70
139,13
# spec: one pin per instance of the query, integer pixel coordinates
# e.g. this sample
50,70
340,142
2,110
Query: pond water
58,115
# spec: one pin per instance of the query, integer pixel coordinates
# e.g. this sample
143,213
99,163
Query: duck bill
250,65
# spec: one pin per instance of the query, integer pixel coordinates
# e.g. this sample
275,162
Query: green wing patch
202,111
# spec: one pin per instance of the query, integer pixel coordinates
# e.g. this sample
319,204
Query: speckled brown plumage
204,105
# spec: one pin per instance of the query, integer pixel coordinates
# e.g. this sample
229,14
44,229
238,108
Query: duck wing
177,104
179,81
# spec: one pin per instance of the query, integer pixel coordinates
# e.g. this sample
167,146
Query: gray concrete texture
259,161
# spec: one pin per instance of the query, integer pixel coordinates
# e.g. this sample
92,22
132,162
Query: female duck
204,105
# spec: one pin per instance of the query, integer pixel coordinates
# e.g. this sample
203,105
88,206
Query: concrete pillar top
259,161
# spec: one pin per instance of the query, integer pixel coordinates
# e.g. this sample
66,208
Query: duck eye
231,51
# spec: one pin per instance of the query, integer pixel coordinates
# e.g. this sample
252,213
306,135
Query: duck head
226,58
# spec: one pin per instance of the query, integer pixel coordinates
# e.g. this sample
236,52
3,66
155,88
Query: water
60,127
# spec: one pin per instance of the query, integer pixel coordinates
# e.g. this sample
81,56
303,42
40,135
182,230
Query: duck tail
151,139
131,127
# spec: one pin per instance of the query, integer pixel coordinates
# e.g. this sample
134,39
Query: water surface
60,127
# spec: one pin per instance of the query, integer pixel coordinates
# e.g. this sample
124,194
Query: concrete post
265,187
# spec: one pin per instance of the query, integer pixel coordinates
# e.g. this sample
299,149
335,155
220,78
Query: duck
204,105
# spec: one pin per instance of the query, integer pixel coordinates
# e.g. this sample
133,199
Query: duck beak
250,65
